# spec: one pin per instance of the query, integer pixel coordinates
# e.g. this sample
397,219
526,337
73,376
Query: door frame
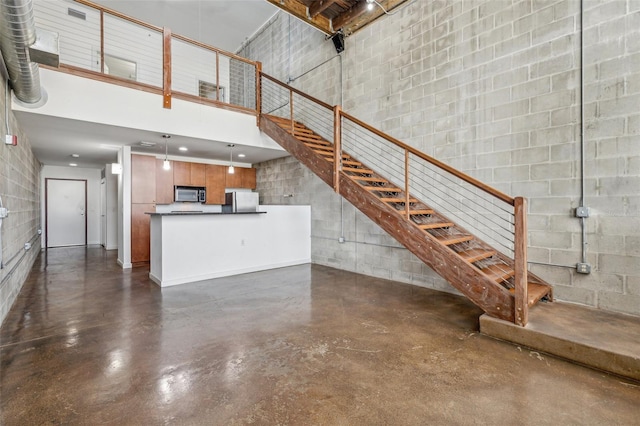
46,209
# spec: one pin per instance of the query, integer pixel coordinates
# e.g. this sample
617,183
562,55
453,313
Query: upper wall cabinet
164,183
215,183
188,174
143,179
242,178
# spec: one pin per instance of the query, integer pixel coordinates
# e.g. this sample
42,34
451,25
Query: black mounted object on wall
338,42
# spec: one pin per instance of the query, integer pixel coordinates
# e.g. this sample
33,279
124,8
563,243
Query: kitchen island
195,246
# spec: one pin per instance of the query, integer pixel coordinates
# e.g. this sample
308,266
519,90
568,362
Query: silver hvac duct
17,33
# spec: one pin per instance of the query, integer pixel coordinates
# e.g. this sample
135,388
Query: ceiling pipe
17,33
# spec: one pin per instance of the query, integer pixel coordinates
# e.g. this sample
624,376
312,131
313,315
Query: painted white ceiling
220,23
224,24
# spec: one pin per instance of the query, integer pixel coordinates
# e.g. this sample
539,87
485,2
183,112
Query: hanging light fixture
231,169
370,5
166,165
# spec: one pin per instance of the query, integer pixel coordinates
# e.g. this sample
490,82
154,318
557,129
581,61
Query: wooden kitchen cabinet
143,179
198,174
181,173
141,232
189,174
242,178
164,183
249,178
215,181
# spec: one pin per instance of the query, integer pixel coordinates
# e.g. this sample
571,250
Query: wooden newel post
258,91
520,266
337,147
166,68
293,133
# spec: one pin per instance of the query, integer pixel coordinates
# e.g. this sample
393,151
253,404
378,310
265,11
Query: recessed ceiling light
73,164
241,155
75,155
183,148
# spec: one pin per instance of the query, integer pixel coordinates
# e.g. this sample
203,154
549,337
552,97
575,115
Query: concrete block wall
493,88
20,192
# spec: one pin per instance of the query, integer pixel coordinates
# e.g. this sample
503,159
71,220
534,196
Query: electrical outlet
27,246
582,211
11,140
583,268
4,212
341,240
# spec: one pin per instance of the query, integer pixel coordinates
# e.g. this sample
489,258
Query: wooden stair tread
354,170
435,225
330,153
305,130
498,272
327,148
535,292
420,212
318,141
450,239
397,200
369,179
473,255
382,189
347,162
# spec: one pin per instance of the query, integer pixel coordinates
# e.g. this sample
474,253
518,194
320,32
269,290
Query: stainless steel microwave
190,194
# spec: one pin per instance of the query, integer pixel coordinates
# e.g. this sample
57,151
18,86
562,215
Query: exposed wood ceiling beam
363,19
344,18
319,6
299,10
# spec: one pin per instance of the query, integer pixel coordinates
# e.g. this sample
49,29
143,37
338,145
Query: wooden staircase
477,270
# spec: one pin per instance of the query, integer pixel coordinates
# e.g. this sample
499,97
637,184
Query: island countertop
195,246
185,213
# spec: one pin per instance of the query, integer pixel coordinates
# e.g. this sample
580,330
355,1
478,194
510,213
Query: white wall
99,102
124,208
111,182
92,177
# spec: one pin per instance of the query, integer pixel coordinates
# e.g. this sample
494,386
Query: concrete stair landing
603,340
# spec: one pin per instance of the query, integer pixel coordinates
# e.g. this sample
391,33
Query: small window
119,67
208,90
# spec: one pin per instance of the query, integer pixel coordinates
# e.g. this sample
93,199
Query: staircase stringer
469,280
490,296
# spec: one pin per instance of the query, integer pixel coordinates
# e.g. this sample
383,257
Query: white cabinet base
196,247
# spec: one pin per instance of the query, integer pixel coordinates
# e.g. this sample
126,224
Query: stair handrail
296,91
465,177
518,203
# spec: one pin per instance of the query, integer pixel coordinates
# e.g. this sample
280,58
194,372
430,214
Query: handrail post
406,184
258,91
101,41
337,147
166,68
291,112
218,76
520,262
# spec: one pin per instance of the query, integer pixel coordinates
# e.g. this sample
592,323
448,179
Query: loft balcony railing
100,43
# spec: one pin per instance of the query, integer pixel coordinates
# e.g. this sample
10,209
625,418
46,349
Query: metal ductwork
17,33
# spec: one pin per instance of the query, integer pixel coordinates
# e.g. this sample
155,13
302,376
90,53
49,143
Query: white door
103,213
66,212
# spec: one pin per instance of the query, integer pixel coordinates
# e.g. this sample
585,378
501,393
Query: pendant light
231,169
166,165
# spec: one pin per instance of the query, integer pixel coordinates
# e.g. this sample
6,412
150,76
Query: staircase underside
473,267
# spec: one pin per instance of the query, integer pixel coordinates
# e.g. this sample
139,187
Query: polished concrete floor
87,343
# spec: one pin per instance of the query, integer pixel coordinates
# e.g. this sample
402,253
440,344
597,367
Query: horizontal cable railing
123,50
280,100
